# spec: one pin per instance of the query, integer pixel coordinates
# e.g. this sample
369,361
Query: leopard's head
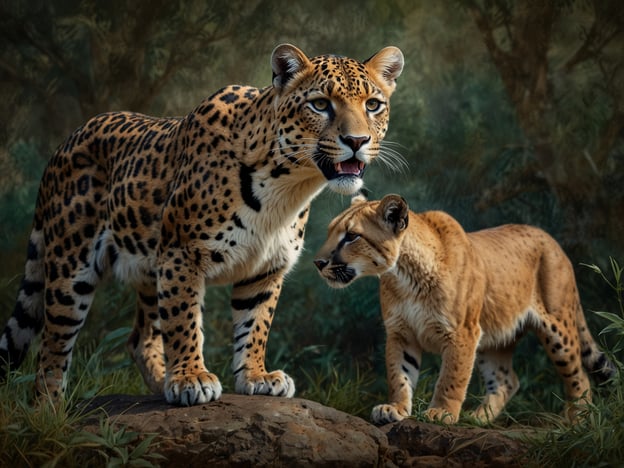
363,240
333,111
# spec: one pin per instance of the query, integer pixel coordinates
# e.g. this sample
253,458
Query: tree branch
592,46
613,130
21,77
485,26
525,180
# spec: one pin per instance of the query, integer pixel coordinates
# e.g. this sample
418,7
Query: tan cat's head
363,240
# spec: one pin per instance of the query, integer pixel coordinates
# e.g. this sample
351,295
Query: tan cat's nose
320,264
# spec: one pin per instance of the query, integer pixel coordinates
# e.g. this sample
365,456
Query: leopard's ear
387,65
286,61
394,211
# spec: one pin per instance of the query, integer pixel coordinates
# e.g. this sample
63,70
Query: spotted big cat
219,196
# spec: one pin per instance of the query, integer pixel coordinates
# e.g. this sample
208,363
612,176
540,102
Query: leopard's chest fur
235,211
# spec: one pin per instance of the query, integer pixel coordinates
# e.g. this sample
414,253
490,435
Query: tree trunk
521,57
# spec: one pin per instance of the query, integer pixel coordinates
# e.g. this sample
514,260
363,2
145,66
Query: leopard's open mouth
352,167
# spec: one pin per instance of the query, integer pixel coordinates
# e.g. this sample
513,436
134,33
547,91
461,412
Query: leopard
170,206
468,297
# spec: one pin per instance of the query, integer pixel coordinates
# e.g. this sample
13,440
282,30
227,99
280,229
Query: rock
242,430
261,431
433,445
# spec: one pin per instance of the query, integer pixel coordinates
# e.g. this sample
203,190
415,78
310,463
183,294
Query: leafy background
507,111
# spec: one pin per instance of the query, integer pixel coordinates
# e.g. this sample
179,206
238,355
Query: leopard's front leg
181,289
253,305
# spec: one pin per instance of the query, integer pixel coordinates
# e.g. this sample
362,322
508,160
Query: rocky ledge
261,431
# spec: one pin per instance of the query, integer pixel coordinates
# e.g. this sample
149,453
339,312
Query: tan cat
466,296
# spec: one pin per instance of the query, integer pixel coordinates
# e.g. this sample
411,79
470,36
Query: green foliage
596,439
346,391
617,286
18,190
48,435
107,367
118,446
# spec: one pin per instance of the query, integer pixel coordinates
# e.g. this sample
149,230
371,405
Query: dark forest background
507,111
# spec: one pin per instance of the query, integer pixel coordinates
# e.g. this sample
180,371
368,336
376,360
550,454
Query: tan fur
466,296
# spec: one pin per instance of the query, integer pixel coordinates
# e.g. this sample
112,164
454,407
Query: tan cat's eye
350,237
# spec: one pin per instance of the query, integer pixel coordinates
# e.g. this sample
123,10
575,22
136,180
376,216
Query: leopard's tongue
351,166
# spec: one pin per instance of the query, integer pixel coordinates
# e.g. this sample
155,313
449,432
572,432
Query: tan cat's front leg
403,366
458,357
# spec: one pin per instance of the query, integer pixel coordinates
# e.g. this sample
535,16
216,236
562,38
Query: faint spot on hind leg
148,355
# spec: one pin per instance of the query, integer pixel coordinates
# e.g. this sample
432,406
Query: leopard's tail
594,359
27,319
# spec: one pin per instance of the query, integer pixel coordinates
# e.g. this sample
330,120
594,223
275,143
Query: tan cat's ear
394,211
387,64
286,61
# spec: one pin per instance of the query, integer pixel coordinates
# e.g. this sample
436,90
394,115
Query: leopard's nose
353,142
320,264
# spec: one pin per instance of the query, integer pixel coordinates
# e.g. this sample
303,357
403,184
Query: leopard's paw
189,390
385,414
276,383
440,414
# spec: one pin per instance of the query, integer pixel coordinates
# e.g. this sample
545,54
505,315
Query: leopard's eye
320,104
373,105
350,237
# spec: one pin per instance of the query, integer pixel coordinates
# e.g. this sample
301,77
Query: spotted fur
466,296
219,196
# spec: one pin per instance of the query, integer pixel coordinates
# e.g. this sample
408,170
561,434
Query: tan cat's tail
594,360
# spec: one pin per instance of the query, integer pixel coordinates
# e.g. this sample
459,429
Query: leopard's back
108,184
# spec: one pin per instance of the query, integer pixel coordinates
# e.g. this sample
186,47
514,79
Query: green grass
598,437
51,435
596,440
352,392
